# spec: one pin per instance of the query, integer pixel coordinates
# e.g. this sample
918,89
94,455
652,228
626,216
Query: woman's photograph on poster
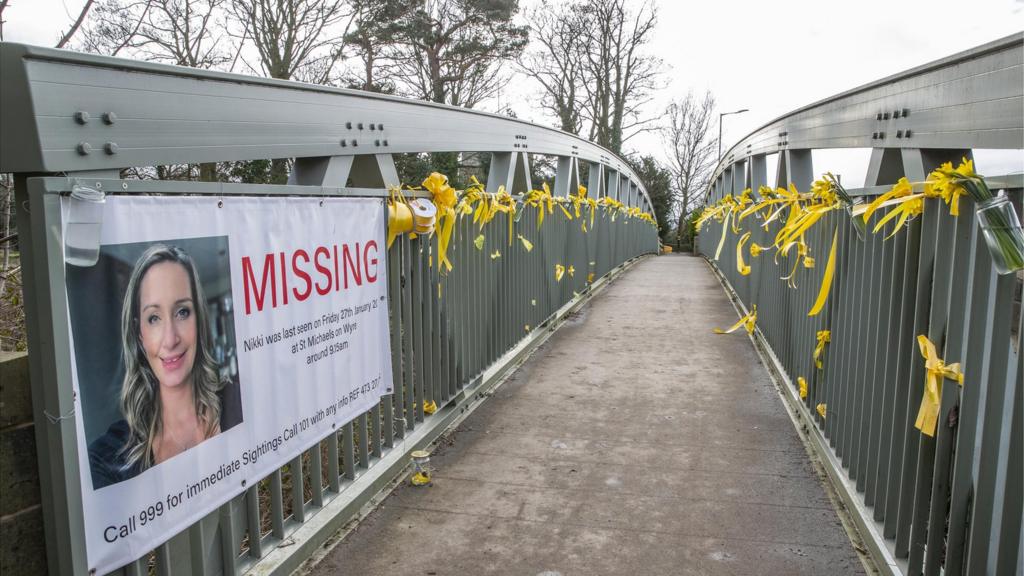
155,354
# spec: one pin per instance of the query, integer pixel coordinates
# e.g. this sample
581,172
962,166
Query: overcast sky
768,56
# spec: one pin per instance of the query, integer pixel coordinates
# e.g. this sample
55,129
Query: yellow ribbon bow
742,266
822,409
747,322
936,370
824,337
803,387
445,198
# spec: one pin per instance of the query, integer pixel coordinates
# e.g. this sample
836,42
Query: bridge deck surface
635,441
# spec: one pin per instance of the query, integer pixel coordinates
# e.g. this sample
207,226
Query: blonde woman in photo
172,396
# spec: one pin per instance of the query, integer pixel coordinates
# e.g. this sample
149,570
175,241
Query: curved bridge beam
974,99
67,111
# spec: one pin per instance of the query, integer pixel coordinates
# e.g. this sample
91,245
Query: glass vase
82,228
858,221
1003,235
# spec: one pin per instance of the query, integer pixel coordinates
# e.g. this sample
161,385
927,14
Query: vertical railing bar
196,548
457,278
348,452
903,358
396,403
408,328
276,505
866,383
139,567
948,297
364,440
979,557
1009,554
316,477
295,474
437,330
228,530
882,279
836,319
253,518
375,432
936,317
844,403
886,376
926,231
333,464
981,299
421,326
851,413
163,560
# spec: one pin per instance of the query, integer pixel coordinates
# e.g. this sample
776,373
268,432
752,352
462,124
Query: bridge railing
70,118
949,503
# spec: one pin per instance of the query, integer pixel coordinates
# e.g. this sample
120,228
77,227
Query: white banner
213,340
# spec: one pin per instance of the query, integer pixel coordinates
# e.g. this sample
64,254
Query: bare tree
294,40
593,68
180,32
557,62
113,25
3,6
454,50
691,149
66,37
290,34
372,42
620,76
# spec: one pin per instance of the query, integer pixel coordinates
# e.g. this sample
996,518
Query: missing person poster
213,340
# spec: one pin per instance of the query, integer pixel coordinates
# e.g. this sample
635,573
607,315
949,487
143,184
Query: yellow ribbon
824,337
747,322
429,407
445,198
821,408
826,280
399,216
803,387
721,242
936,370
741,266
559,272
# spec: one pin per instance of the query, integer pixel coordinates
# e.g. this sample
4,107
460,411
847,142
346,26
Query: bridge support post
511,170
568,176
364,170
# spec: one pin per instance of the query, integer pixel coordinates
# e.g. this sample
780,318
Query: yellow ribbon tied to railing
822,409
445,197
742,266
747,322
826,280
803,387
824,337
399,215
936,371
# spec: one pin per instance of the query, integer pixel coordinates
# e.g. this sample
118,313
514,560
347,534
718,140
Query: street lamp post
720,115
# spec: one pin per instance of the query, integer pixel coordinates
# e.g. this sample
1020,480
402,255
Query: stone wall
22,543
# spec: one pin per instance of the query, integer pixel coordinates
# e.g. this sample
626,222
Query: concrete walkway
635,441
